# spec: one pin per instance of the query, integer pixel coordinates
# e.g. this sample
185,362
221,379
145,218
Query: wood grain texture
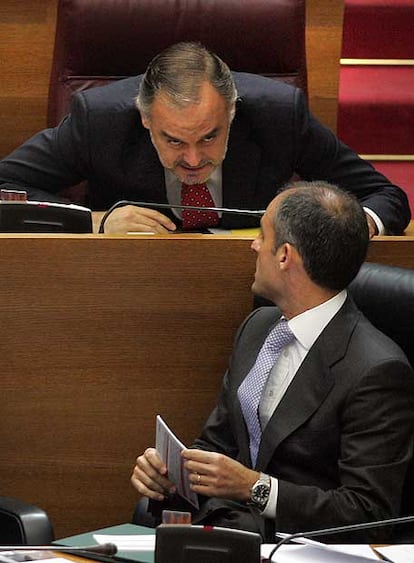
98,336
323,45
26,46
27,30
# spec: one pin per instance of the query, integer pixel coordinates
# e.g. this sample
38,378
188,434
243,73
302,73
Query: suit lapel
312,382
240,168
143,170
308,389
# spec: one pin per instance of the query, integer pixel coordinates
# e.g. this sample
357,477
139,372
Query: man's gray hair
179,71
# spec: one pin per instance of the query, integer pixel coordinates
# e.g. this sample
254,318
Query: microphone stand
123,203
338,529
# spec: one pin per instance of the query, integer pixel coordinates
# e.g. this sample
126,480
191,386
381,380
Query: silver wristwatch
260,492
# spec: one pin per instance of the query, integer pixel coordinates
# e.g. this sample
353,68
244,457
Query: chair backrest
385,294
98,41
22,523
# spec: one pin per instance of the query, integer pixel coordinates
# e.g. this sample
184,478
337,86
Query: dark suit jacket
341,438
272,137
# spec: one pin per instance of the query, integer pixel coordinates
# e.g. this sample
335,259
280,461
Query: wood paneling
98,336
324,38
26,44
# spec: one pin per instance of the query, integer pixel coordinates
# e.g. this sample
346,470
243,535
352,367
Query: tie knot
281,335
197,196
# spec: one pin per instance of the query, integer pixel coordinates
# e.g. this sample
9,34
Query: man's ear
145,120
285,255
232,112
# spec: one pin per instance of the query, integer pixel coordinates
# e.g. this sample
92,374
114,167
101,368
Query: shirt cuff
377,220
270,509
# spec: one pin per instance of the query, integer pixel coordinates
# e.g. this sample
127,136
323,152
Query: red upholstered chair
98,41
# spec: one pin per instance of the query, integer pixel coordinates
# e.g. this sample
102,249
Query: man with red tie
188,132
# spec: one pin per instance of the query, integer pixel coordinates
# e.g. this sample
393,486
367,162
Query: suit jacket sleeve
374,451
52,160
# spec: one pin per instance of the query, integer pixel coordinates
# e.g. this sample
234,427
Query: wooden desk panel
395,251
100,334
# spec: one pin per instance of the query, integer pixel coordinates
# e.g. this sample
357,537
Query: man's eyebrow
168,136
211,133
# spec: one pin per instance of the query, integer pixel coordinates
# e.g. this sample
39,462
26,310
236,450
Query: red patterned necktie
197,195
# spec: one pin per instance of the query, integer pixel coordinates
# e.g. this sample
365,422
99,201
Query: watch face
260,493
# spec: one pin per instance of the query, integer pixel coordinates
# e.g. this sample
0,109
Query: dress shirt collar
308,325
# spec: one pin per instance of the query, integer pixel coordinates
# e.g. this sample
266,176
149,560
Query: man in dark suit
335,408
189,119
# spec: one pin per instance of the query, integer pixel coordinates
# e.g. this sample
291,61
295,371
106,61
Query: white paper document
142,542
169,447
310,551
398,553
46,556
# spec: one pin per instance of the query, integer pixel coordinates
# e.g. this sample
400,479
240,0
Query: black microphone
122,203
108,549
338,529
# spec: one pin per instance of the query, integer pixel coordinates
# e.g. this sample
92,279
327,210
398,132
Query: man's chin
194,181
255,289
258,291
260,298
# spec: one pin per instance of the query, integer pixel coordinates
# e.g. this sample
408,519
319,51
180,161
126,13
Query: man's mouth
194,168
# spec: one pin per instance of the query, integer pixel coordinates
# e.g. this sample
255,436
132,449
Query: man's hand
216,475
149,476
130,218
373,230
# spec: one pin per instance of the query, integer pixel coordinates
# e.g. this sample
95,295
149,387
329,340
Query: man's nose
192,156
255,245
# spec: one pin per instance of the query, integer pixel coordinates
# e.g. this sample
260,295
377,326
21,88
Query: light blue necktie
251,389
